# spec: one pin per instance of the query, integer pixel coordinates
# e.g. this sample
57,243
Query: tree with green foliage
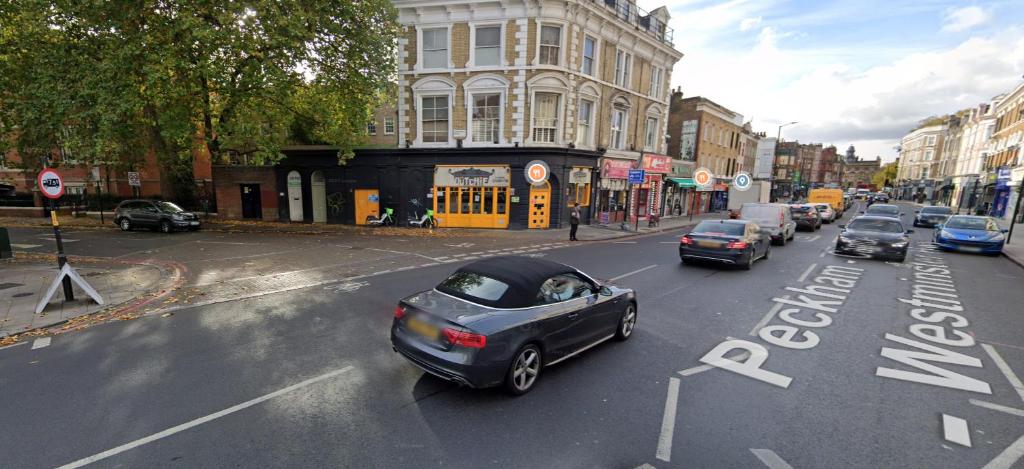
113,80
885,176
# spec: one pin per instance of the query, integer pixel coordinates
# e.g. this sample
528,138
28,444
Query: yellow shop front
471,196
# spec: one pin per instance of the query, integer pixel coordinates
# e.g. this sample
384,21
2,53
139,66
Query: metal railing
642,20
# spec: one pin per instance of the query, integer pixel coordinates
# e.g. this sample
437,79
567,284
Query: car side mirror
910,231
605,291
917,211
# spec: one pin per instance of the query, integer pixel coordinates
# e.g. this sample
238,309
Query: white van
772,217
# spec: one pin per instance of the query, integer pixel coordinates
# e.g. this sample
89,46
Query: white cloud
962,19
746,24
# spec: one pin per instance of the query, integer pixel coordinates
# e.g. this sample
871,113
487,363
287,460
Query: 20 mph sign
50,184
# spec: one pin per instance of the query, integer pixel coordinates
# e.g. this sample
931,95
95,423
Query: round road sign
703,177
742,181
50,184
537,172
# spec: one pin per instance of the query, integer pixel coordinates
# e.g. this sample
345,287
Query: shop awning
683,182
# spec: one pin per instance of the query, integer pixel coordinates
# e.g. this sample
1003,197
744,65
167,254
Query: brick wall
227,186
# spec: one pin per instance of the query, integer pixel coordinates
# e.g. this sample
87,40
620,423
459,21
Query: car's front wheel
165,226
125,224
525,370
627,323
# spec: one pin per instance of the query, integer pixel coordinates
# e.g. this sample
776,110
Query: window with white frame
651,134
545,117
589,55
486,117
623,63
585,123
434,119
929,154
389,125
656,82
550,44
487,46
371,128
931,140
435,48
620,116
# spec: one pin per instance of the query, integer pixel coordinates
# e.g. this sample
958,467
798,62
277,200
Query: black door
252,207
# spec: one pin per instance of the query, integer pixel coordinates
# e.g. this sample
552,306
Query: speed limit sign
51,185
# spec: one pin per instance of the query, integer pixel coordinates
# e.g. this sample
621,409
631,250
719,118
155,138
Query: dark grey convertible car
499,321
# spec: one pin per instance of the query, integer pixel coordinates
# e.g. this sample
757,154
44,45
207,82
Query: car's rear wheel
750,261
125,224
627,323
525,370
165,226
767,251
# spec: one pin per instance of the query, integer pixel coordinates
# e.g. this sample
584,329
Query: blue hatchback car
968,233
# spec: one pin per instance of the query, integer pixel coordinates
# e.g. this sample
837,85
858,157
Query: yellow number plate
709,244
422,328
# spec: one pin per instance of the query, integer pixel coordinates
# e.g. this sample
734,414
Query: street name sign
636,176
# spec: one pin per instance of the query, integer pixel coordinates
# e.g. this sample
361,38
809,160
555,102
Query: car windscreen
936,210
964,223
718,229
473,286
885,226
890,210
822,207
169,207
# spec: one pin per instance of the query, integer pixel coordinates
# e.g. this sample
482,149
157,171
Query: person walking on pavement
574,221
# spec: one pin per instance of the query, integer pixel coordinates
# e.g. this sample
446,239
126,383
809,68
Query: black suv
154,214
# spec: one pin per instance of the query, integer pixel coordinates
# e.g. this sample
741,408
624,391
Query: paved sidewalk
1014,250
24,281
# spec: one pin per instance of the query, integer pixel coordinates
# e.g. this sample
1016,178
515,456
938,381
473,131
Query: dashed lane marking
770,459
767,317
997,407
807,272
13,345
954,429
623,242
41,342
637,271
1005,368
25,246
668,421
201,420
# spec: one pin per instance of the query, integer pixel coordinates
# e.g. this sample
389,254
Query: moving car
883,210
970,233
825,210
874,236
881,197
500,321
737,242
154,214
930,216
805,216
834,197
772,217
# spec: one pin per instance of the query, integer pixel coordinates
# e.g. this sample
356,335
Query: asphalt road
307,378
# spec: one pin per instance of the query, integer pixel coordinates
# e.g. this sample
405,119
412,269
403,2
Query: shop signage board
703,178
742,181
579,176
636,176
51,185
472,176
657,164
615,169
537,172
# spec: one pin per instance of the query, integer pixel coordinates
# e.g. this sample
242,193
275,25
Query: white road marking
997,407
645,466
347,287
1009,456
703,368
770,459
1010,376
823,254
954,429
623,242
13,345
637,271
199,421
807,272
228,242
63,239
767,317
668,421
41,342
668,242
851,262
813,238
25,246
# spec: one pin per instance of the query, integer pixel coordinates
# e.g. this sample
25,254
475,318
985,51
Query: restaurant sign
615,169
471,176
579,176
657,164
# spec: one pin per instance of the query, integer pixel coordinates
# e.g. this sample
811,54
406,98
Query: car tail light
737,245
465,339
399,312
685,240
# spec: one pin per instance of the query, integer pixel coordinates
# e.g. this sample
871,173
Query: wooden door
367,205
540,206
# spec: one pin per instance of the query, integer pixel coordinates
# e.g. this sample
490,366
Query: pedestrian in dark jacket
574,221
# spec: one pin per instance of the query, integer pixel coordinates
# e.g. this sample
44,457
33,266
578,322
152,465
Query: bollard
5,245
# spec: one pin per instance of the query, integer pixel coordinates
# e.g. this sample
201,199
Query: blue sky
860,72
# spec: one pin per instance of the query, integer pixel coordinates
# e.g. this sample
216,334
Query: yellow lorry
833,197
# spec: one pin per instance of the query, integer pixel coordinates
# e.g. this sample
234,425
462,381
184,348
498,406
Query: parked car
737,242
930,216
970,233
805,216
500,321
874,236
772,217
883,210
827,214
154,214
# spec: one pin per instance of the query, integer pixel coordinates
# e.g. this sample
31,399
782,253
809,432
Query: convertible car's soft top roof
524,276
